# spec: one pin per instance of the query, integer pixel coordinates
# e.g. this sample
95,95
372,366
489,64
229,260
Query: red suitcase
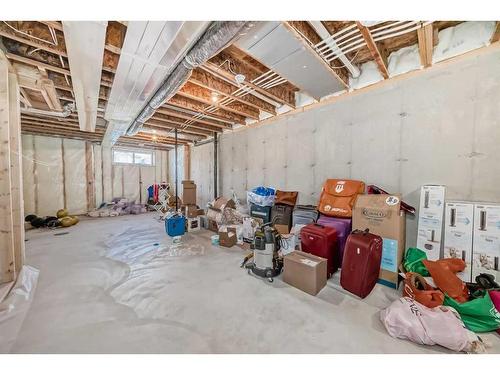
361,262
321,241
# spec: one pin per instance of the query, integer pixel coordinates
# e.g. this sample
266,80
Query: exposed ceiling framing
231,88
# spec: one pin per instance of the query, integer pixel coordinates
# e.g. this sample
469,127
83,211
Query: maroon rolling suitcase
321,241
361,263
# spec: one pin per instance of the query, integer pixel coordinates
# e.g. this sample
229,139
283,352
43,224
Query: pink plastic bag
410,320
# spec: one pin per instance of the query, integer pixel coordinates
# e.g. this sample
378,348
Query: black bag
260,212
282,214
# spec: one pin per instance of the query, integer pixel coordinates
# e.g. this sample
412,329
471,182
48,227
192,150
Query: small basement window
133,157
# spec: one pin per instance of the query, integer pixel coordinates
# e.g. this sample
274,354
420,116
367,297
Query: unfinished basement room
250,186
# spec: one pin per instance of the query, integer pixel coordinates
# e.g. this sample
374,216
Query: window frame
133,152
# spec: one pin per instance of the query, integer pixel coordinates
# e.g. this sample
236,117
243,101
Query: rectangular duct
85,42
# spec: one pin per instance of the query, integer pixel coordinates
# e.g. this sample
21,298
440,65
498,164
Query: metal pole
215,166
176,177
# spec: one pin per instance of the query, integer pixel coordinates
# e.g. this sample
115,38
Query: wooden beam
496,34
187,162
186,116
16,166
201,94
165,125
208,129
223,87
426,44
6,32
7,258
374,50
197,106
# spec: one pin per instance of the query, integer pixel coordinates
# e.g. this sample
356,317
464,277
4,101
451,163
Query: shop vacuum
266,262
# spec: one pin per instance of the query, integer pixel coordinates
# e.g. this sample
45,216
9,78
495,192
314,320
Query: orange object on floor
417,288
446,280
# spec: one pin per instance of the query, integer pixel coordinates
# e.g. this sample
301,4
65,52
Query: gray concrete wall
441,126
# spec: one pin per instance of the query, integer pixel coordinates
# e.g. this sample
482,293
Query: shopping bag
413,261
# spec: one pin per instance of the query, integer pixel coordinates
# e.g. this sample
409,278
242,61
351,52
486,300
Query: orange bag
417,288
338,197
446,280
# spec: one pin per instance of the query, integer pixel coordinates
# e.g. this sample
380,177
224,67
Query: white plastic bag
410,320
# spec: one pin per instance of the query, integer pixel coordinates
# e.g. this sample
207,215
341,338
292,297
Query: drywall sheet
441,126
28,173
99,186
75,178
202,173
50,185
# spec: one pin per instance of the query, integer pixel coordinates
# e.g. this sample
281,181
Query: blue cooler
175,225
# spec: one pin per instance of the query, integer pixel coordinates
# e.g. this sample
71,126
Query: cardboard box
188,192
193,224
382,215
190,210
486,242
305,271
212,226
200,212
430,220
458,229
228,238
282,229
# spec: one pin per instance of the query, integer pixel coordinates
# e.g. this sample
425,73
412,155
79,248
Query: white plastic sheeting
45,184
128,181
392,136
14,307
75,179
150,257
462,38
202,172
180,168
28,173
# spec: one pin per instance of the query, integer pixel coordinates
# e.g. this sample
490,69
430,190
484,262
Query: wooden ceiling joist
179,122
376,53
161,125
223,87
197,106
203,95
183,116
426,44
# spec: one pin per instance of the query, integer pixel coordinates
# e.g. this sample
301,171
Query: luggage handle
362,232
318,225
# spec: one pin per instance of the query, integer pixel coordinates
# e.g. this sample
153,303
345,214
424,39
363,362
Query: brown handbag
286,197
338,197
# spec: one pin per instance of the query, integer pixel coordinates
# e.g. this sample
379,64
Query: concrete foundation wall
441,126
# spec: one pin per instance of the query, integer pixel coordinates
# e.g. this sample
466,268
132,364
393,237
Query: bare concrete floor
114,285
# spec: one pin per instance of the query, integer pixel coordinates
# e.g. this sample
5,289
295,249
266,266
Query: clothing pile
117,207
437,307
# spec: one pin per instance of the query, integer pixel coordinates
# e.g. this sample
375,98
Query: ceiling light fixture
215,97
239,78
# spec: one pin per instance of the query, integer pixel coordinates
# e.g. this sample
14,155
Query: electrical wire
28,35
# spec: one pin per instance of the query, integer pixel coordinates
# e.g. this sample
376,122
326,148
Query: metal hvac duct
217,36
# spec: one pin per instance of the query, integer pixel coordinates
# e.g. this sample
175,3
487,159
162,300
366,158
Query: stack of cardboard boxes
189,206
471,232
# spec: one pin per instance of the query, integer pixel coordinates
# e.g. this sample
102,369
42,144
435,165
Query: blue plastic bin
175,225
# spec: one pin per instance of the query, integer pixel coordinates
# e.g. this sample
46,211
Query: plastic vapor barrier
75,177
